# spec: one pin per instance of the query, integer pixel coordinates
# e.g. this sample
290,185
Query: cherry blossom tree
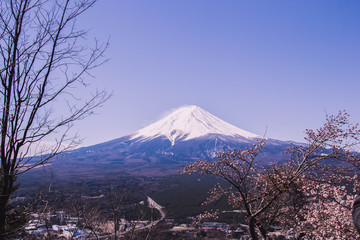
328,212
331,183
289,193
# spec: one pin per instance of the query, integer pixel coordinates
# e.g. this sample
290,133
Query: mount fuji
190,122
187,134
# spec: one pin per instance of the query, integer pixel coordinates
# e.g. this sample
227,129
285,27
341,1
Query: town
64,225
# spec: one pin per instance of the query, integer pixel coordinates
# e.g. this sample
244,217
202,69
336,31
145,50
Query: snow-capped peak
190,122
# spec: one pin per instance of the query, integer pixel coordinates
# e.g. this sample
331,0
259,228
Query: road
151,204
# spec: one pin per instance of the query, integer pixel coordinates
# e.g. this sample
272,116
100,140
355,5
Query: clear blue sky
276,64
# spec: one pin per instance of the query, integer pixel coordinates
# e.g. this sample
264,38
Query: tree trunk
252,229
3,203
262,230
6,185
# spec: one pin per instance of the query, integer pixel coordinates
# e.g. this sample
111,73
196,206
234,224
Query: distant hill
187,134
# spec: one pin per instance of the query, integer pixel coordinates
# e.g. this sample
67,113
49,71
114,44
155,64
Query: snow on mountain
187,123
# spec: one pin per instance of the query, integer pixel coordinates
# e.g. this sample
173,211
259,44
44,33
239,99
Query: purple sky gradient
275,65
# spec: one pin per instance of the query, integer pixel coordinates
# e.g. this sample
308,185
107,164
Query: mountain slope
187,134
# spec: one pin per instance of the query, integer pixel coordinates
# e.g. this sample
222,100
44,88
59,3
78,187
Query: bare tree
87,214
117,197
43,60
